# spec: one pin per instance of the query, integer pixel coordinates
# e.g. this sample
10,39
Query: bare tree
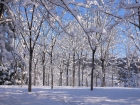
33,24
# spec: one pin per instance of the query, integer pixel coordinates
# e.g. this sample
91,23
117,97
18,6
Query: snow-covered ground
17,95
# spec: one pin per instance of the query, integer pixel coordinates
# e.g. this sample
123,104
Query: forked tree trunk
30,49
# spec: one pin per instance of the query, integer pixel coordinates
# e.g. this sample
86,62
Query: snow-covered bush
128,78
10,76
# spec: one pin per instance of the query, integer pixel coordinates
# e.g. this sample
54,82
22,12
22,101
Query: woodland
93,43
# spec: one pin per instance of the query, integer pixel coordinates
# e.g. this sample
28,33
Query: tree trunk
87,79
22,79
79,70
51,72
35,72
48,77
93,67
1,9
112,80
43,64
30,70
67,72
138,15
103,71
82,75
60,79
96,81
34,77
30,50
73,69
129,76
43,75
83,67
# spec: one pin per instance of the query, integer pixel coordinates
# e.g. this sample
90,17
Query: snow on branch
131,6
54,18
5,20
95,29
25,3
88,3
79,18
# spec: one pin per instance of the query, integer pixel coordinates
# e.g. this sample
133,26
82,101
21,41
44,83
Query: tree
30,33
53,42
104,49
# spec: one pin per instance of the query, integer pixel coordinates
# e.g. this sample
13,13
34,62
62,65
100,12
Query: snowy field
16,95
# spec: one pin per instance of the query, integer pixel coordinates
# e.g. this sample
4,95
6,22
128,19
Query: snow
17,95
95,29
11,71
